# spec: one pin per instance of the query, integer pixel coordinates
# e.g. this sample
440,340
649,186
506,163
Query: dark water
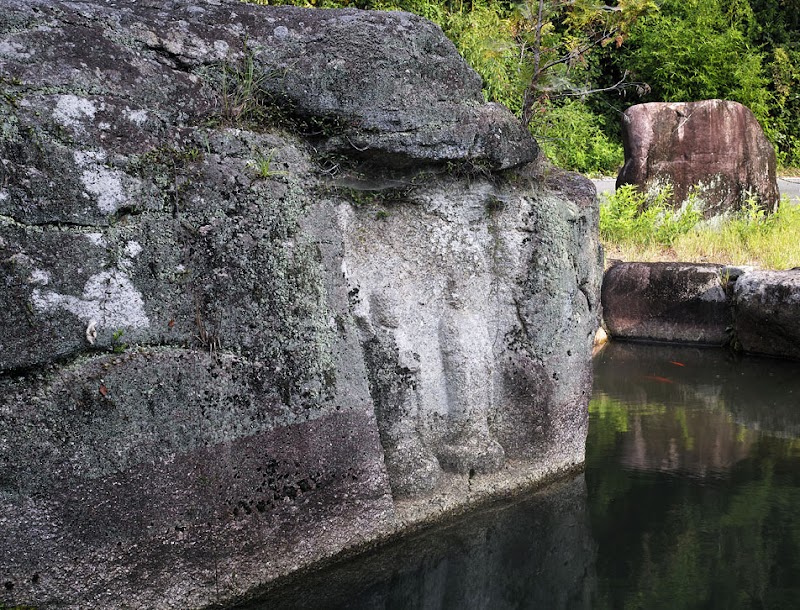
690,499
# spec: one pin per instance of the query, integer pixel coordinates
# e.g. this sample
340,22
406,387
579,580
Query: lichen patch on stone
96,238
109,298
14,50
133,248
104,184
40,277
138,117
73,111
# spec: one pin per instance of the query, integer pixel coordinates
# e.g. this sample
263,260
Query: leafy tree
692,50
574,137
777,22
777,31
555,38
783,127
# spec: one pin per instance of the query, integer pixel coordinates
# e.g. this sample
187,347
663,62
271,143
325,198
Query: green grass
771,241
633,219
262,164
637,227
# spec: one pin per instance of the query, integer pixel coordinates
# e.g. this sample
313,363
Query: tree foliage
572,136
555,38
692,50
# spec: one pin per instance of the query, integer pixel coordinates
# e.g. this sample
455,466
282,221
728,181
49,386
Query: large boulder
714,147
672,302
768,312
266,295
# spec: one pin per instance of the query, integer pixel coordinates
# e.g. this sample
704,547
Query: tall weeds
633,219
751,237
634,226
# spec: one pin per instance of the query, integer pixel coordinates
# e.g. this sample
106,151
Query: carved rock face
252,313
716,147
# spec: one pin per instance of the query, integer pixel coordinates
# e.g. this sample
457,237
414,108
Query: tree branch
619,85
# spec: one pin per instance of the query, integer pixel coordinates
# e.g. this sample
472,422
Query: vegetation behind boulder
667,50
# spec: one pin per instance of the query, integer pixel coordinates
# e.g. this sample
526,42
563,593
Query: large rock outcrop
715,148
267,295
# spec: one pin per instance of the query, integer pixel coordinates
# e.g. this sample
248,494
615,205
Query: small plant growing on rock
117,346
238,90
263,165
725,278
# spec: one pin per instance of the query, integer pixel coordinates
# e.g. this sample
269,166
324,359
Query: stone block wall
755,311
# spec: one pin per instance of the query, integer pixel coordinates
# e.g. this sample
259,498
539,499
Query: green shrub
631,218
573,138
691,51
634,226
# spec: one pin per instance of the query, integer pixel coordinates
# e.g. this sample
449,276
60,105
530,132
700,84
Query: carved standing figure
467,362
394,370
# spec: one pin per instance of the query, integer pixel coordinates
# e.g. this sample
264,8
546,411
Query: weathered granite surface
276,283
752,310
715,148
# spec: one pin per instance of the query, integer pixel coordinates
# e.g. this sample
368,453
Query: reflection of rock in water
696,409
696,441
537,553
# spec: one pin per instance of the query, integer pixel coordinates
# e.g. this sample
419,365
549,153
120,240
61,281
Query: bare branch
595,26
580,51
618,86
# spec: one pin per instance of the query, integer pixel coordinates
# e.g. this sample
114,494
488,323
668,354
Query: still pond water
690,499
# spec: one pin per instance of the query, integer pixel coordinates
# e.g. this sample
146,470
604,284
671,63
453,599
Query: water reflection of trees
669,534
759,393
677,439
680,542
